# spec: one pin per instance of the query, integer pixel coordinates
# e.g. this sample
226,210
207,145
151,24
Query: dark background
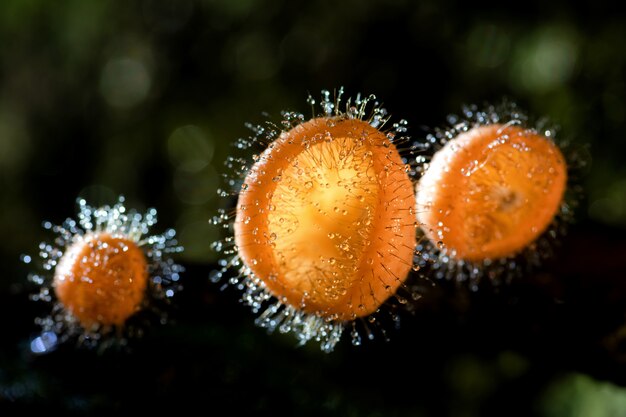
145,99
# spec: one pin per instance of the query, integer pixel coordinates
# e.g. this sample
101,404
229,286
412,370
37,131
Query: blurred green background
146,98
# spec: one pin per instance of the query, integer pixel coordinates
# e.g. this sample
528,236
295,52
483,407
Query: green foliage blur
146,98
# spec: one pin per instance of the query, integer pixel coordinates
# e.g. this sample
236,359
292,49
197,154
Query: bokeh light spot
125,82
190,145
546,61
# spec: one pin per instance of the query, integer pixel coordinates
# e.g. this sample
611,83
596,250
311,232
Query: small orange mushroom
101,269
101,279
491,191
